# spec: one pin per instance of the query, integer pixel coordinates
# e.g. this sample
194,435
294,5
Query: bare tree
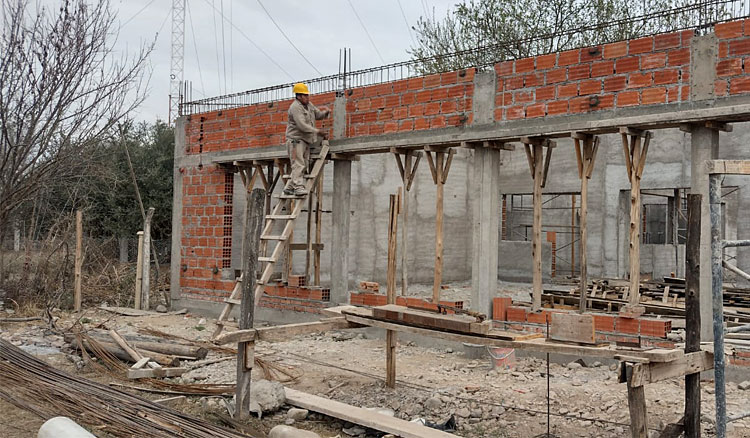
62,90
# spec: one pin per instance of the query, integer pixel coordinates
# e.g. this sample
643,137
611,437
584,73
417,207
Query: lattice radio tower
177,58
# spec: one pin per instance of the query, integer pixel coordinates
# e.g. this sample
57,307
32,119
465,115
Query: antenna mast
177,58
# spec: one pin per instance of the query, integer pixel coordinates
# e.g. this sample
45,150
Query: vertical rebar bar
717,247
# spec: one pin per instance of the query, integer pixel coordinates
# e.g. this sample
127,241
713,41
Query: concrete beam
485,228
342,189
704,145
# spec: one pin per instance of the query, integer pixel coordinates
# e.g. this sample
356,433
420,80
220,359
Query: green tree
482,32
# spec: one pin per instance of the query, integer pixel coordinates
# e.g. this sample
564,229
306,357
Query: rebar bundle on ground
30,384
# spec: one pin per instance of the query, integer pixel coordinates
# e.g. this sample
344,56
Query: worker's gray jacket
301,125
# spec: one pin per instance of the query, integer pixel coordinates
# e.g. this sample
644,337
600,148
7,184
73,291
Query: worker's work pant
299,153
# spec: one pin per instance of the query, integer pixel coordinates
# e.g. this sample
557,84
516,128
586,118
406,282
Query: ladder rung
273,237
285,217
289,196
288,177
266,259
232,301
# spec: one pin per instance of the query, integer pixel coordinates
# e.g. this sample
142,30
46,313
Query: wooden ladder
291,203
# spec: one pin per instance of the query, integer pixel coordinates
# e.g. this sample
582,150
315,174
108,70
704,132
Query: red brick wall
734,49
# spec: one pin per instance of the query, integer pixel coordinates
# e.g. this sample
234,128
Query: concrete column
342,190
704,145
485,228
175,265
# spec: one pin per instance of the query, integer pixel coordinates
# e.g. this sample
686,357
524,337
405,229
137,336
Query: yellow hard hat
300,88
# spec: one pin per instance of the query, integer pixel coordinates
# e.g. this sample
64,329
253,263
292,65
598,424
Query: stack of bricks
734,48
435,101
296,297
608,327
645,71
374,299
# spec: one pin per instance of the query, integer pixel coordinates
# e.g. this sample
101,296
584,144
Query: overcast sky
318,29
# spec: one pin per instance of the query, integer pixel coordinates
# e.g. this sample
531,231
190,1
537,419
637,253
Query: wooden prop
585,156
439,167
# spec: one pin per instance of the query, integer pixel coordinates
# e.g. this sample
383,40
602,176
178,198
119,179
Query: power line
260,49
195,46
406,22
136,14
366,32
287,38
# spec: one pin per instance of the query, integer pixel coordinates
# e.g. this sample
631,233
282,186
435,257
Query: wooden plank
145,373
390,339
637,408
78,261
284,332
363,417
141,363
690,363
579,158
734,167
572,327
433,170
125,346
364,317
405,315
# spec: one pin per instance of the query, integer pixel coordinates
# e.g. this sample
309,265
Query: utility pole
178,58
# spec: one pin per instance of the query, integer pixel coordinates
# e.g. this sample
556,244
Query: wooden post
318,229
146,270
439,169
78,261
585,157
139,273
407,171
635,160
390,351
250,246
539,167
637,406
693,315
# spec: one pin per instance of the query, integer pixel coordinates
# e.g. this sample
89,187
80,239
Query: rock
352,431
613,367
297,414
449,350
574,365
342,336
266,396
161,308
433,404
596,364
202,321
463,413
744,385
289,421
283,431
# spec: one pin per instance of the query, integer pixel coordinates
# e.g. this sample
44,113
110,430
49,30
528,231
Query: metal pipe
732,243
736,270
714,196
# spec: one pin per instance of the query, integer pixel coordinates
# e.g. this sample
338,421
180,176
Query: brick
437,122
720,87
653,60
557,107
431,81
517,314
615,83
406,125
615,50
421,123
739,47
514,83
591,53
567,90
515,112
556,75
604,323
500,307
687,37
416,110
448,107
569,57
627,65
504,68
653,95
740,85
667,41
581,104
732,29
432,108
545,93
524,65
602,68
535,110
723,49
524,96
545,62
603,101
641,45
678,57
628,98
627,325
533,80
390,127
449,78
673,94
591,86
729,67
541,317
639,80
670,76
577,72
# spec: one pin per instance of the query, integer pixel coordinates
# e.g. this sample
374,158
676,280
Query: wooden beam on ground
285,332
690,363
572,327
125,346
146,373
363,417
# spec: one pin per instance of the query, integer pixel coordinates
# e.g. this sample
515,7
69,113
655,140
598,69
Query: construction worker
301,133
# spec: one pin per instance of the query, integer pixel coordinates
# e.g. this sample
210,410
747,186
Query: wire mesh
700,16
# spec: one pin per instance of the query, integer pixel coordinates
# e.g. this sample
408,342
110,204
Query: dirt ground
586,401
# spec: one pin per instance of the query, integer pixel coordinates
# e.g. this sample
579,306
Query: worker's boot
300,191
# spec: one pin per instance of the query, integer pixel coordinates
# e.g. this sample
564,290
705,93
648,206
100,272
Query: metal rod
714,196
733,243
736,270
